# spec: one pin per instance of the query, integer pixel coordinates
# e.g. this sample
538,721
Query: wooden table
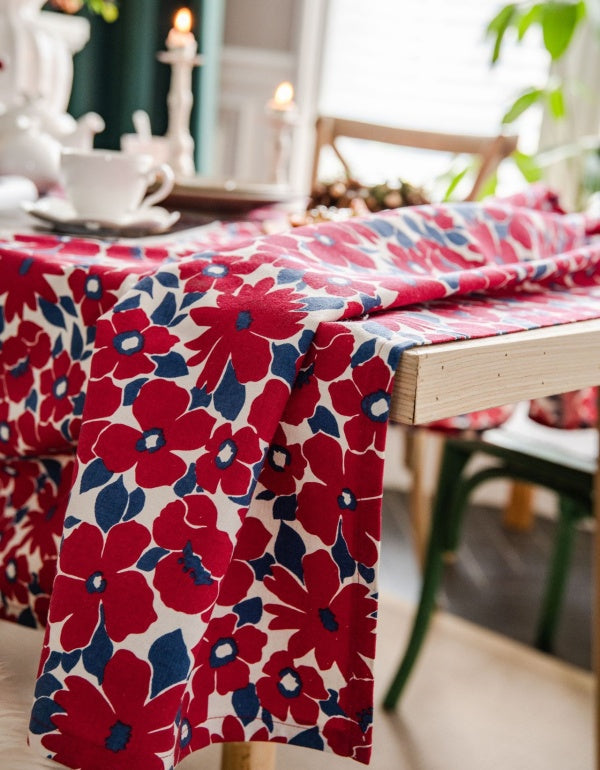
438,381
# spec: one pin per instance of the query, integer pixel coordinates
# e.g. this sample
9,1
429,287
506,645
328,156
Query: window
421,65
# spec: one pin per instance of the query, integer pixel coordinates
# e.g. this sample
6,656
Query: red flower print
165,427
485,245
291,689
40,609
32,436
224,273
58,386
41,602
66,247
125,343
102,400
232,731
252,540
520,231
43,524
194,710
284,465
95,572
6,435
242,329
228,461
224,654
348,484
23,280
188,577
573,410
18,480
29,349
90,288
353,736
15,578
366,400
338,284
267,406
136,262
117,727
426,260
326,361
325,615
338,244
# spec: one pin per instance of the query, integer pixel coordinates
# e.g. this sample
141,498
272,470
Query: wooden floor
497,578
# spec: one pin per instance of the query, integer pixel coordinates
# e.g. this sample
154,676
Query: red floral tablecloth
197,429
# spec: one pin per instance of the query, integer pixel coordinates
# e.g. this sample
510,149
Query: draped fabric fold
217,576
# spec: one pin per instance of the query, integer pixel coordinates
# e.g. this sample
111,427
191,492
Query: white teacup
109,185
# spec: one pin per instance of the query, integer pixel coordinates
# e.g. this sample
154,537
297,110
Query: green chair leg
454,488
463,489
569,513
431,580
453,462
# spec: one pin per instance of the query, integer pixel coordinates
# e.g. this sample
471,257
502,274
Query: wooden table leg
596,609
248,756
518,514
418,443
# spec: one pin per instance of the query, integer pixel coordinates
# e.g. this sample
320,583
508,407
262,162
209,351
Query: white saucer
62,216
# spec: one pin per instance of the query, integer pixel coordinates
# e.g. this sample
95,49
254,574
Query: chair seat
576,449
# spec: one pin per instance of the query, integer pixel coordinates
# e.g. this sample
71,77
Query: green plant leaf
501,19
454,182
498,26
532,16
523,102
556,103
559,20
527,165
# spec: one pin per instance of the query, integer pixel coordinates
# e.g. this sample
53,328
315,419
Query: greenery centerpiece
106,8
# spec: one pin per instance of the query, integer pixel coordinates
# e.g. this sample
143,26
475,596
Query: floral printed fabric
569,411
217,573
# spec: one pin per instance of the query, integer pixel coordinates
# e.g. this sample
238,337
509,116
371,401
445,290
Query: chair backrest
491,149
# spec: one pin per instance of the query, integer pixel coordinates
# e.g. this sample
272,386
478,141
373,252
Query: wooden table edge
447,379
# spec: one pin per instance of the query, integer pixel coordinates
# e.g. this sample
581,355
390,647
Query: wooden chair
490,149
520,456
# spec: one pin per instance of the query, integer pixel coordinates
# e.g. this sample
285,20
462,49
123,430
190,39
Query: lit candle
182,57
180,37
283,98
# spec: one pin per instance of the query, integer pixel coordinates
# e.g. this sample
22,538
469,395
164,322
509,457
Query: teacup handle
168,180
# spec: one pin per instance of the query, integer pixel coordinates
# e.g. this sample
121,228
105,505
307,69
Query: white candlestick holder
180,101
282,123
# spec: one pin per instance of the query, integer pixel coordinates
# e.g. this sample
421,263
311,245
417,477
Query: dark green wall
117,72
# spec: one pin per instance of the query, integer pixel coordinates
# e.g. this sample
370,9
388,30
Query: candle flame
183,20
284,93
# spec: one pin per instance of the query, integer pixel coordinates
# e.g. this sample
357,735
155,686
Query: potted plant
557,23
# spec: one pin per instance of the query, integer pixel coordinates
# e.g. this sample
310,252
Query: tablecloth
219,521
